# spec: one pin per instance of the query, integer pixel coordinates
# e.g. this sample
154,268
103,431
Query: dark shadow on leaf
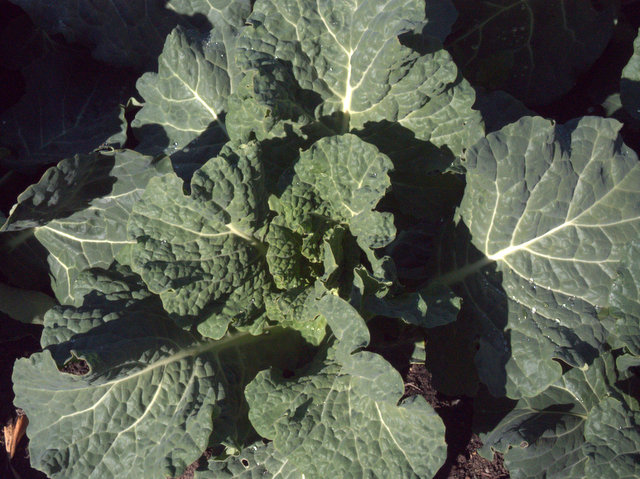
67,188
478,338
489,410
631,384
394,340
420,188
24,262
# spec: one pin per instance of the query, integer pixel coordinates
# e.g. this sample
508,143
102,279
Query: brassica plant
291,169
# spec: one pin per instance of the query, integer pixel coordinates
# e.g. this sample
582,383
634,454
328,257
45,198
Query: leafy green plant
293,170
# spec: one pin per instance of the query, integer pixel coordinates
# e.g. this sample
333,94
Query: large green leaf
186,100
203,253
106,295
554,206
573,429
80,209
630,82
345,406
145,408
349,54
533,49
622,316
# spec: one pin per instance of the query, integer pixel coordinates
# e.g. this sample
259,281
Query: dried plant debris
14,432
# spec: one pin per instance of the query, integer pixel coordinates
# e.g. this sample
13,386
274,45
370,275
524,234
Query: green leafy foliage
295,179
557,225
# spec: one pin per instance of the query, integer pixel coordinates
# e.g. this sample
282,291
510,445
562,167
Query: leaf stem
458,275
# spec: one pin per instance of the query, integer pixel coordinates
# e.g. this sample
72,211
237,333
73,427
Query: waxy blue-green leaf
349,54
351,176
267,103
80,209
202,252
258,461
630,82
152,400
578,427
295,309
613,435
105,295
345,406
555,207
622,314
185,102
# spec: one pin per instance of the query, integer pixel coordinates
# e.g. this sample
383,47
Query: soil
463,462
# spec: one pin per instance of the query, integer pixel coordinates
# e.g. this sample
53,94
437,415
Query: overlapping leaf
345,405
185,102
576,428
145,408
351,176
202,252
80,209
349,54
107,295
555,207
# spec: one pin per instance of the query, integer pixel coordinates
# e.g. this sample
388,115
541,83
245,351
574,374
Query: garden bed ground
463,462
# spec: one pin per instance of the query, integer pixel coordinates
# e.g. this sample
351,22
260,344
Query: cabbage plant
291,170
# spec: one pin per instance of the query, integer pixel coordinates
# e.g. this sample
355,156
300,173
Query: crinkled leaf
267,103
294,309
349,54
72,104
107,295
201,253
345,405
572,429
534,50
351,176
554,206
80,209
613,432
630,82
186,100
287,265
622,316
150,395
